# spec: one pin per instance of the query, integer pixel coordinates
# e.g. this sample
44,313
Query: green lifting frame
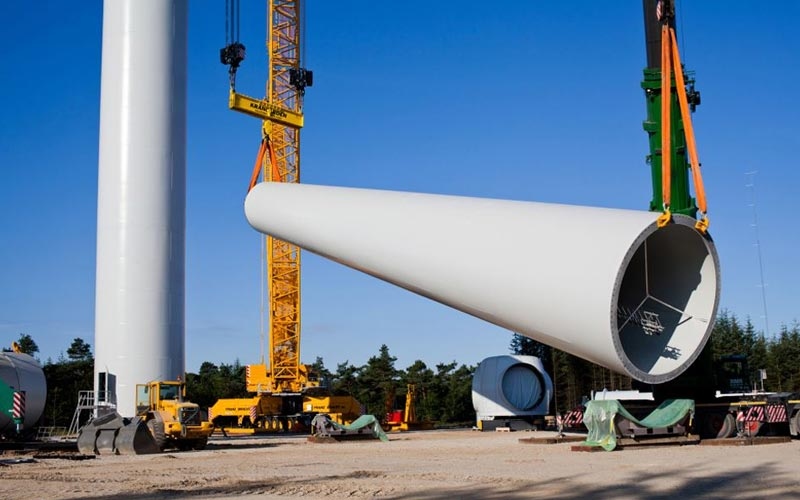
681,200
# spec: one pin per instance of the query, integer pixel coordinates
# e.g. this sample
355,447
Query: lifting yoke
232,55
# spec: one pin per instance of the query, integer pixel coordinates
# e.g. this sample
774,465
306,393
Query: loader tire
156,428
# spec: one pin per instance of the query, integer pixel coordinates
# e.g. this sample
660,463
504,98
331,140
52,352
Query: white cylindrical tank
511,386
21,372
603,284
139,304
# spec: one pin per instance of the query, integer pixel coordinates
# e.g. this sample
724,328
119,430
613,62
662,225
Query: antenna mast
751,189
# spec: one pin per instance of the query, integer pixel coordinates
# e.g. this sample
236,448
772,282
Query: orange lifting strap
276,175
670,59
266,148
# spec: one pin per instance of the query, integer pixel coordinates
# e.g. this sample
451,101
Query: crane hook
232,56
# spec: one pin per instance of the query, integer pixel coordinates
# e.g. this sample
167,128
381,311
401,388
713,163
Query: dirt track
425,465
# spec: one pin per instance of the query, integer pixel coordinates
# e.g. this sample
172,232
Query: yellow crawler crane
283,400
286,84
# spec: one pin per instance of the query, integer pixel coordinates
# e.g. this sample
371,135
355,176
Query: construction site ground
415,465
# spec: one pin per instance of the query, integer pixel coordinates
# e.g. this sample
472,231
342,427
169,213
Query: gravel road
417,465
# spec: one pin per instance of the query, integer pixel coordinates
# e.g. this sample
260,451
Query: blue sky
534,101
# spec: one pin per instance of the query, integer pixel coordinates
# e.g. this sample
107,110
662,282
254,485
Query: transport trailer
754,414
743,415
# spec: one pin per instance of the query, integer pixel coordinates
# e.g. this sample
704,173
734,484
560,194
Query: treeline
444,392
778,355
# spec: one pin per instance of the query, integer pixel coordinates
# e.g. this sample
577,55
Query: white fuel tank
21,372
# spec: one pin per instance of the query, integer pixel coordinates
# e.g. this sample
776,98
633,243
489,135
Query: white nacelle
511,386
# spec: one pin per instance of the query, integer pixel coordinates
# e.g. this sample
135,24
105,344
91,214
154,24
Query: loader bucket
114,434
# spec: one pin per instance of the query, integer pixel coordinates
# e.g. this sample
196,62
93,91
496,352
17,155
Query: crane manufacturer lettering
273,111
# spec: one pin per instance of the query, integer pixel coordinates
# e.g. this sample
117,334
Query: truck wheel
719,425
200,444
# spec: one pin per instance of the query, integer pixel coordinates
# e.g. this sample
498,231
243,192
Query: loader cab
156,395
170,391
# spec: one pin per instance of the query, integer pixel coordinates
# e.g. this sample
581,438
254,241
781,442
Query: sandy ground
419,465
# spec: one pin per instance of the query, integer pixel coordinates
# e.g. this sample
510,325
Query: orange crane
282,385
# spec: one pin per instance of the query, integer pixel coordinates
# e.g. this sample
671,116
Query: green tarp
599,419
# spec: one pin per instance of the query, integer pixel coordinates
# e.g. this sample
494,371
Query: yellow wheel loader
163,420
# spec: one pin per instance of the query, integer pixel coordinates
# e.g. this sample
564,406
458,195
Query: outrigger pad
114,434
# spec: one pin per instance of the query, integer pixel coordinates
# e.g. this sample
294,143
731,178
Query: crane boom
278,161
283,259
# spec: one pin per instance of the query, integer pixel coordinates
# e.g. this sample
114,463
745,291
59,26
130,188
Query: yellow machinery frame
283,259
281,112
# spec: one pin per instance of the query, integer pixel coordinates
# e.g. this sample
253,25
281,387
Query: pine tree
378,382
345,380
79,350
27,345
324,375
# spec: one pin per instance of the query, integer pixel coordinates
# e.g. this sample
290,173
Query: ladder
87,402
